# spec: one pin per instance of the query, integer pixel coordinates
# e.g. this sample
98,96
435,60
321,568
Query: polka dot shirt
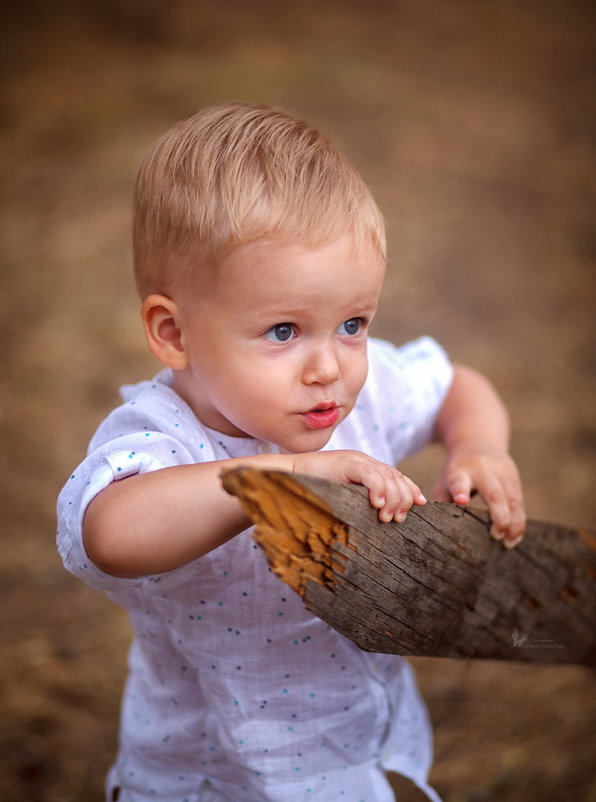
236,693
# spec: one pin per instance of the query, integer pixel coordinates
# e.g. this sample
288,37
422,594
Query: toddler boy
259,257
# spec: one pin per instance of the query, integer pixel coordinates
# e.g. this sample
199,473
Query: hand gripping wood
434,585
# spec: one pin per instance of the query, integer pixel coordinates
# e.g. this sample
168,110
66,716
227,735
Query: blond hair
236,173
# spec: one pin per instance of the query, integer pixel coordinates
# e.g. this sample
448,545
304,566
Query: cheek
254,379
357,372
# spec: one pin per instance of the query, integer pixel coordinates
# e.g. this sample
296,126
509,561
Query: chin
301,445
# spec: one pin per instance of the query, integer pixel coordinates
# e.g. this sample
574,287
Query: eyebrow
287,313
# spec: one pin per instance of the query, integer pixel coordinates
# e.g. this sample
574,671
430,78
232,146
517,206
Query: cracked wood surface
434,585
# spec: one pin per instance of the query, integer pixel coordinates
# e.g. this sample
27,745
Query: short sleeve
406,388
115,460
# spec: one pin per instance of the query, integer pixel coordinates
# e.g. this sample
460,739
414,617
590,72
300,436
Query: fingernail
399,517
385,516
496,534
422,498
510,544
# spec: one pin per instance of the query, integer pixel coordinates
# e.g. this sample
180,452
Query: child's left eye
351,326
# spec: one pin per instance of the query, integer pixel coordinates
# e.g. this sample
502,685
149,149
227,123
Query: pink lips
320,418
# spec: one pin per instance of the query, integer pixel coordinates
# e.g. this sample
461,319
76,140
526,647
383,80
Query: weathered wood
436,584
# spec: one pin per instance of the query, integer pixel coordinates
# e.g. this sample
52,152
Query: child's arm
473,425
157,521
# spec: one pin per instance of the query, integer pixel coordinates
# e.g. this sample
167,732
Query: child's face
277,348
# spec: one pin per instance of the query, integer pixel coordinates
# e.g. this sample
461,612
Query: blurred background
473,123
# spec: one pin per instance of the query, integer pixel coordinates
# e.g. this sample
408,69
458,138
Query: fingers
496,499
517,524
389,491
457,486
393,494
504,500
499,485
461,488
505,503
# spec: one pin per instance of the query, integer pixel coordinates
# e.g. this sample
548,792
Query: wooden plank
434,585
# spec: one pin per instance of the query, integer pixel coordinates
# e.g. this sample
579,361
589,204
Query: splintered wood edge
308,529
298,548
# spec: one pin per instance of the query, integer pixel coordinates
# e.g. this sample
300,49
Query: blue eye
280,333
351,326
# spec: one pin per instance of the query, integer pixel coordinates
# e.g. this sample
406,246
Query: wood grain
434,585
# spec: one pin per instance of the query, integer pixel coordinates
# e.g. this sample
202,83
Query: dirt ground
473,123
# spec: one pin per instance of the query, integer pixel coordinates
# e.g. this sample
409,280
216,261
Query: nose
321,365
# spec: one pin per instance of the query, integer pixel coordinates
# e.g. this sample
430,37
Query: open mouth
322,417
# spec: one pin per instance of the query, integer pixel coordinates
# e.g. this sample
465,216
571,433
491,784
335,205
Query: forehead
273,273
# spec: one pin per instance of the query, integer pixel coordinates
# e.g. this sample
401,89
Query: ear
163,328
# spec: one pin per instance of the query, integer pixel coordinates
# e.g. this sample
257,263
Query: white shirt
236,693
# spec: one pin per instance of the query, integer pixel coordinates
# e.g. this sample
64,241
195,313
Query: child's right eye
280,333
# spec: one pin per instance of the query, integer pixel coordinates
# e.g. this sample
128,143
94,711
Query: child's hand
390,491
494,475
